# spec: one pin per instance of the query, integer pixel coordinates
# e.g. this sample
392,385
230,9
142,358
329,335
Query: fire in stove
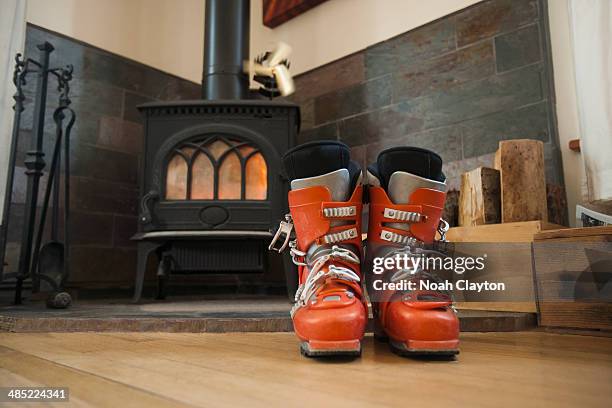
216,168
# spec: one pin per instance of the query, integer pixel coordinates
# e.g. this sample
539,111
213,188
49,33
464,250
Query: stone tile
85,128
125,228
482,135
103,164
121,72
444,141
378,125
15,224
121,135
27,116
442,73
519,48
130,102
402,51
358,154
91,229
492,17
16,221
95,97
93,195
331,77
454,169
443,108
96,265
66,51
353,100
111,69
11,257
178,89
307,114
324,132
20,184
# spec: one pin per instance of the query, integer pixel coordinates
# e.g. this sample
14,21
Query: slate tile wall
106,148
457,85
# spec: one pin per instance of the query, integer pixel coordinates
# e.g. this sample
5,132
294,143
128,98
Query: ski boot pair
406,195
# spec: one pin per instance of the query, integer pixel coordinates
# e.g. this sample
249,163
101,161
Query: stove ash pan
211,165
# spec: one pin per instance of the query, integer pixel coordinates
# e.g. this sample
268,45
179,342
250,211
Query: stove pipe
226,46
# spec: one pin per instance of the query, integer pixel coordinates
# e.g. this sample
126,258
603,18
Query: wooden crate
510,262
573,269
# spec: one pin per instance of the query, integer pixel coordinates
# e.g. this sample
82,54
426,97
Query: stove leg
144,250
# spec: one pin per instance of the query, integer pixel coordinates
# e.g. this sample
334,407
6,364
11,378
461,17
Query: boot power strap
400,215
344,235
339,212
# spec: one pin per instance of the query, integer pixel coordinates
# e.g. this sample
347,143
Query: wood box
509,260
573,271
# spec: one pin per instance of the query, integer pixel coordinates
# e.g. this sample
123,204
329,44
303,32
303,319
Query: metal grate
222,256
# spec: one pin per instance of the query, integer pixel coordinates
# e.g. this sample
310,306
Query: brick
444,141
324,132
353,100
492,17
442,73
121,135
124,228
402,51
91,229
482,135
467,101
93,195
307,114
331,77
112,266
130,102
519,48
103,164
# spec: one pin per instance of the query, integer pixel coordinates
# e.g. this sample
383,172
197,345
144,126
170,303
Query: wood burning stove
211,183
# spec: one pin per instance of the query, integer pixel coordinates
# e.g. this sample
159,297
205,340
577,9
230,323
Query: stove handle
145,206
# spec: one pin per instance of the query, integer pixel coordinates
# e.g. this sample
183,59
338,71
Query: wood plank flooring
265,369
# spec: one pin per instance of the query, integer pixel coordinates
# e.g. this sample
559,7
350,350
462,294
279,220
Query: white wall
567,108
338,28
12,36
168,34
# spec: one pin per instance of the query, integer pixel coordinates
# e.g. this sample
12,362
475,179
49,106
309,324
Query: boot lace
316,275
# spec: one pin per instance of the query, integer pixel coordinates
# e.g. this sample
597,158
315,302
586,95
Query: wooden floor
265,369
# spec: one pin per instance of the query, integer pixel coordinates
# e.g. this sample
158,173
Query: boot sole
317,348
414,348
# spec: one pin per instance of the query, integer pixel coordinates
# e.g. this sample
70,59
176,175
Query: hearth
211,182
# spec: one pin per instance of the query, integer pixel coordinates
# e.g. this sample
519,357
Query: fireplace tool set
49,263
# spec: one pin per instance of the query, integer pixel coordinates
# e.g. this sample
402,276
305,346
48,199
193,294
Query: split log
522,180
479,200
451,208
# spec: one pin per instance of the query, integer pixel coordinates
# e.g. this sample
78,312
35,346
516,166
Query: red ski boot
325,201
407,194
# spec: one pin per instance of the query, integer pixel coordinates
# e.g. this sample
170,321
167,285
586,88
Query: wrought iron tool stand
35,163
